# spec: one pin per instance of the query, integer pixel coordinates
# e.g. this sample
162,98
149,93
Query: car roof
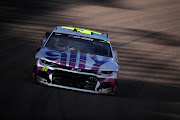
81,32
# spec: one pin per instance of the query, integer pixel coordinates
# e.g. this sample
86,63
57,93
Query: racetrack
145,34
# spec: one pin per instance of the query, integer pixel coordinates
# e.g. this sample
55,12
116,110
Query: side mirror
115,55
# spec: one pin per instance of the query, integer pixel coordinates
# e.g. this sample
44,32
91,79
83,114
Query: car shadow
147,91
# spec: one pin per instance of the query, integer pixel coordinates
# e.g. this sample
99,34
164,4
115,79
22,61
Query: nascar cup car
76,59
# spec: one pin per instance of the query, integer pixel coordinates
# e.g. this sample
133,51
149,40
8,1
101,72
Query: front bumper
43,81
73,80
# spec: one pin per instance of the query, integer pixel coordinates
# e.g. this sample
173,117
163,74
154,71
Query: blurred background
149,78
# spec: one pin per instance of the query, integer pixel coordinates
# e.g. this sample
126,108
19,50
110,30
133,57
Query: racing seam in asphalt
140,38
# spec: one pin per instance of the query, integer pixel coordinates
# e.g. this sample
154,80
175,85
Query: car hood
78,60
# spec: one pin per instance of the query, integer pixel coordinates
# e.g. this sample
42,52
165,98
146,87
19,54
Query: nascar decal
73,59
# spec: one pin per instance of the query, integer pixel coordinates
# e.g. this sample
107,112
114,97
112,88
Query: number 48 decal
45,69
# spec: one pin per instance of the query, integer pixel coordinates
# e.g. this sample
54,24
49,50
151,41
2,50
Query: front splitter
41,81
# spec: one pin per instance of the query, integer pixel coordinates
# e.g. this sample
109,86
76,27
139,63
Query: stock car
76,59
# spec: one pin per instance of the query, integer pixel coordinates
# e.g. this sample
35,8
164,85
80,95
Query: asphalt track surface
146,35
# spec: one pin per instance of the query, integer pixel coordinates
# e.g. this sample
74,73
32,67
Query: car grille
74,80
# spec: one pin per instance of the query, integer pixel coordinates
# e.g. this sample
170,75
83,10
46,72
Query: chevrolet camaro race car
76,59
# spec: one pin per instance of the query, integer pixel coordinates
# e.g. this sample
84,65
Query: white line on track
140,38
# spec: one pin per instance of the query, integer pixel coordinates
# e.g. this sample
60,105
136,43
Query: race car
76,59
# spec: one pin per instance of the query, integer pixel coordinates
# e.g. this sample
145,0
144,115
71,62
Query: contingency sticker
105,41
58,34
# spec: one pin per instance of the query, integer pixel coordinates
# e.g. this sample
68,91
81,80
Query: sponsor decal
73,59
98,63
84,38
63,59
82,61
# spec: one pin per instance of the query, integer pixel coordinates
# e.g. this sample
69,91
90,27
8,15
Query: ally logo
45,69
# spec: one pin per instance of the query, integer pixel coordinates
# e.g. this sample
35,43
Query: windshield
79,43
